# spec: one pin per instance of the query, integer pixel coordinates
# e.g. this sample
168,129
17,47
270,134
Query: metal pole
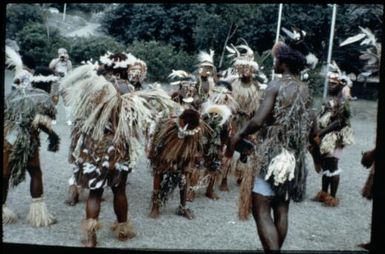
330,51
278,32
64,12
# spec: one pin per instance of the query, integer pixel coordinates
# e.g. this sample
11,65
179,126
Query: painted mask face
135,74
188,89
244,70
214,118
206,71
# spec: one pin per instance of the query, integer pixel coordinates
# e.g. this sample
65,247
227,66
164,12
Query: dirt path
89,29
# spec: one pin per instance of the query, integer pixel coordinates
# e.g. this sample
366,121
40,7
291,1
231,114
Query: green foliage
161,59
170,23
349,18
168,35
316,82
74,7
42,44
18,15
85,48
33,39
217,21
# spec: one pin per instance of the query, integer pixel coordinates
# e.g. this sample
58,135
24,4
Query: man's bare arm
263,111
335,125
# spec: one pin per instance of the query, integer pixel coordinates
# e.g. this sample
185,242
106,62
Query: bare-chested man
283,124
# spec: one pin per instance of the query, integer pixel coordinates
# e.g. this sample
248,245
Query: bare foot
73,196
212,195
190,196
154,213
185,212
223,186
90,240
365,246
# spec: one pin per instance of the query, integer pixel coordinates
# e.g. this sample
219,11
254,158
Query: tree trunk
46,24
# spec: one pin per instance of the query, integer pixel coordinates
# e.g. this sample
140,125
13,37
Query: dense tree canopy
83,49
86,7
34,40
170,35
19,15
193,27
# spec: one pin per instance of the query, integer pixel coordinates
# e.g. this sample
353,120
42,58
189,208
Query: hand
317,140
232,144
367,158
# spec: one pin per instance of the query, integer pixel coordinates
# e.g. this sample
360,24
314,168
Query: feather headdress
142,64
218,110
47,79
246,58
182,76
109,60
296,40
206,59
338,77
13,61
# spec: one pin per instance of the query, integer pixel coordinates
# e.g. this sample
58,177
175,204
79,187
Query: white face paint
188,100
135,74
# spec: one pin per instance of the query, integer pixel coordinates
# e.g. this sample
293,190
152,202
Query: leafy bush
85,48
33,39
161,59
85,8
18,15
42,44
316,82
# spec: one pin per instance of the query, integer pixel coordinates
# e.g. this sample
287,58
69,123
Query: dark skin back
272,229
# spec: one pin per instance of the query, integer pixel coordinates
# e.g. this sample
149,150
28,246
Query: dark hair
44,71
28,61
224,84
190,117
294,59
334,88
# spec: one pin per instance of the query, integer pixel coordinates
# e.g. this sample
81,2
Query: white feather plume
13,59
233,51
347,135
289,33
353,39
281,167
222,110
178,74
311,60
249,52
204,57
328,143
41,78
242,61
324,120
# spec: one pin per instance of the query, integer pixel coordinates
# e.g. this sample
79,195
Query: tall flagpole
278,32
64,12
330,51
